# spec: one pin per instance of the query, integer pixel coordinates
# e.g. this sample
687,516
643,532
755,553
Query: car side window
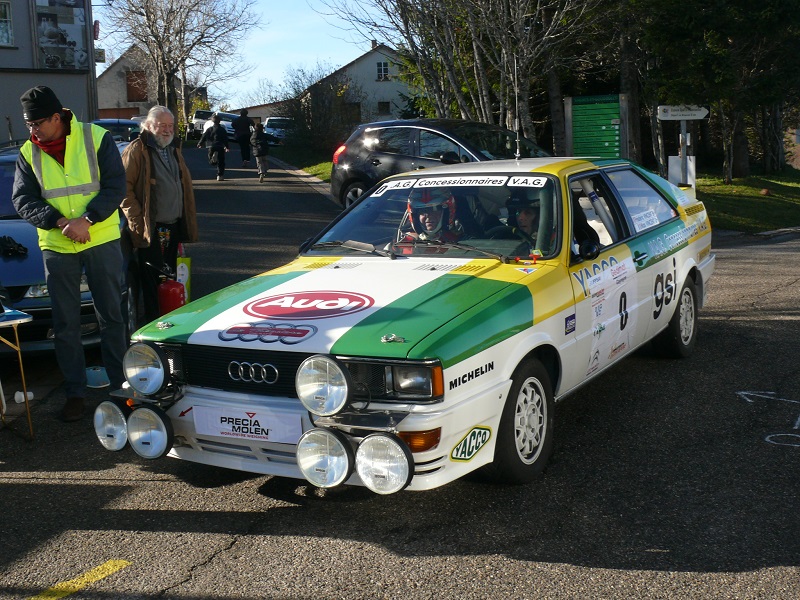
393,140
593,209
432,145
646,206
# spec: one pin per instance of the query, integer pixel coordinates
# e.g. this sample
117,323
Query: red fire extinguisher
171,293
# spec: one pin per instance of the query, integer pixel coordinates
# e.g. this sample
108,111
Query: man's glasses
36,124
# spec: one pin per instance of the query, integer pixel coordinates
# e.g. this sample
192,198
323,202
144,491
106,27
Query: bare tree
194,39
478,58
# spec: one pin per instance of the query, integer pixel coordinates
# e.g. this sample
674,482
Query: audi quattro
427,331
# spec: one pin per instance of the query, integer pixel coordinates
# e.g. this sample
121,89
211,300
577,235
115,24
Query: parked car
123,130
424,334
278,127
22,280
377,150
203,119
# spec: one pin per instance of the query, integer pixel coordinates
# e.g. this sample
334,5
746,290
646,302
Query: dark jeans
103,267
244,144
163,250
220,155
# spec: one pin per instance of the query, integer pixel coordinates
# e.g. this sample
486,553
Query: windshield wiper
350,245
454,246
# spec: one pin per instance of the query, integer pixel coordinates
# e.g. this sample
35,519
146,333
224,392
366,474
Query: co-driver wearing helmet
523,218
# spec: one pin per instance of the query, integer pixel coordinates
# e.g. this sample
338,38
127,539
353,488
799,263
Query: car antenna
516,109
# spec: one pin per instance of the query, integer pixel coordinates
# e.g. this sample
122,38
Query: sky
292,34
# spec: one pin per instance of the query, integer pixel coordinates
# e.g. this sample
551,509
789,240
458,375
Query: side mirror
589,250
450,158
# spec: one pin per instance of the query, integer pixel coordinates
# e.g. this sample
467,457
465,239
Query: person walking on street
216,138
260,141
69,181
159,204
243,126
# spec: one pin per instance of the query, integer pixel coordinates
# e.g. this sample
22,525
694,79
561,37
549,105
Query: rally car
427,331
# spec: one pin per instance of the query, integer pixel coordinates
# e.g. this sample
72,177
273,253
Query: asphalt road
669,479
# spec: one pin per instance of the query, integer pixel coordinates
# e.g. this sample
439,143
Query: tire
678,339
525,436
352,193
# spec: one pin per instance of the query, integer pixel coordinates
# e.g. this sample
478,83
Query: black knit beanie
39,102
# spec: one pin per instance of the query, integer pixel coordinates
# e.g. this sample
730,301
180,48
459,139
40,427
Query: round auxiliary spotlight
111,425
325,457
384,463
150,432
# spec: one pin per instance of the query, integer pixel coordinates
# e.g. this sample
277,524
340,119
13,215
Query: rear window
203,114
280,122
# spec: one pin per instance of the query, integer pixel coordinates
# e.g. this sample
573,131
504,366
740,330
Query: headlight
110,424
146,368
325,457
413,379
37,291
323,385
150,432
384,463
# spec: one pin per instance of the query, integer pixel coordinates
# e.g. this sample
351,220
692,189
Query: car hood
371,307
19,270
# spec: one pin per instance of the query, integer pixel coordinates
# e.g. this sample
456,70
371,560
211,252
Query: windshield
470,216
496,143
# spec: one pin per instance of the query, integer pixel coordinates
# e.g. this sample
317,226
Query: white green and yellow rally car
427,331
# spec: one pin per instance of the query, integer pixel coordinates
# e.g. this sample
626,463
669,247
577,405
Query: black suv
376,150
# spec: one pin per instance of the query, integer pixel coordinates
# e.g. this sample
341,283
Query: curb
313,182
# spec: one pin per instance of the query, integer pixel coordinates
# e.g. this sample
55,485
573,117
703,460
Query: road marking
65,588
777,439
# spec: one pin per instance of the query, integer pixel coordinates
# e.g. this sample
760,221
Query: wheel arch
548,355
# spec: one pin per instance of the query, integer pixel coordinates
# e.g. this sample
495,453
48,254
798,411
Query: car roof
129,122
443,123
555,165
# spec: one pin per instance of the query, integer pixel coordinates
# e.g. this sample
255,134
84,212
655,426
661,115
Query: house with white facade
372,92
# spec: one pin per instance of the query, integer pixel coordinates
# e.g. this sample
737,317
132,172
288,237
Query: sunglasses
36,124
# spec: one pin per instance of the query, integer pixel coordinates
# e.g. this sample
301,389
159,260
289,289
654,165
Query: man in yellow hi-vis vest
69,183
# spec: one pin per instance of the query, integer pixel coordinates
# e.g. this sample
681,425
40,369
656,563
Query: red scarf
56,148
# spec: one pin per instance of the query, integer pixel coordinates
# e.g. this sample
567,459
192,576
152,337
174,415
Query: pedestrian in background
260,141
243,127
159,204
69,181
216,138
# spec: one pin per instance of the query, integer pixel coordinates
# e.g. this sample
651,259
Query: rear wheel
525,436
352,193
678,339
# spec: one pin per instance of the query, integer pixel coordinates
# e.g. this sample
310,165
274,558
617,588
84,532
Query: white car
428,331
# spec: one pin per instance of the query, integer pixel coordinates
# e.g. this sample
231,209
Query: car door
605,288
656,237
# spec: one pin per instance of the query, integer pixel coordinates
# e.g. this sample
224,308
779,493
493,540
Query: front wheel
525,436
678,339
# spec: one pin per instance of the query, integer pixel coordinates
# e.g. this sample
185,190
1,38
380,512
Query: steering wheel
508,232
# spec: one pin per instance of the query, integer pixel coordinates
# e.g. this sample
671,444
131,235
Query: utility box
596,125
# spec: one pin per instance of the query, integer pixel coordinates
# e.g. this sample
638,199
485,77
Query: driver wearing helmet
432,213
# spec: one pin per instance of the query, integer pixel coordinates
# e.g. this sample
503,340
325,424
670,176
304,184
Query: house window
384,108
137,86
6,32
383,71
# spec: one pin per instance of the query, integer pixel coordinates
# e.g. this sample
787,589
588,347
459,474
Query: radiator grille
207,366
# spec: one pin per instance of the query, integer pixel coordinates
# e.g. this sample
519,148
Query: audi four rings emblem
252,372
268,333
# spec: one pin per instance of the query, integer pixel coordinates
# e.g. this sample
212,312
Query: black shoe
73,410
